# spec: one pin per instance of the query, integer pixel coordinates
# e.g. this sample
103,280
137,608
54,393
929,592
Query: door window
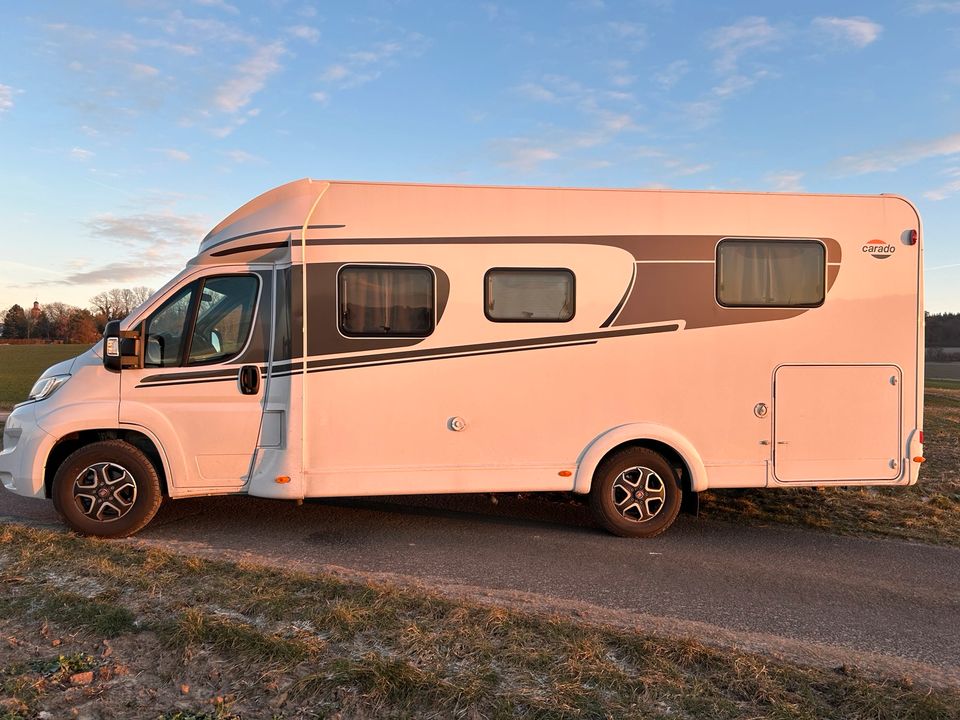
223,318
164,330
215,314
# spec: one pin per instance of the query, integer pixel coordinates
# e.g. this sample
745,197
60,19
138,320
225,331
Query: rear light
921,437
914,235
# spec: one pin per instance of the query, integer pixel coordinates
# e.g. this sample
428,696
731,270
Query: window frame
387,266
486,293
773,241
193,311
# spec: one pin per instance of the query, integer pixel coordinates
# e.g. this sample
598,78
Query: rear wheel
635,493
109,489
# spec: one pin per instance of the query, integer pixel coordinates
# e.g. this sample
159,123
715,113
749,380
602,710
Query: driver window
223,318
165,330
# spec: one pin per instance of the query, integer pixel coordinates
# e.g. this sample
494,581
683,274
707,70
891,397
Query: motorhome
636,346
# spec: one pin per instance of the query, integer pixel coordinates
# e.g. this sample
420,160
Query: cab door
200,389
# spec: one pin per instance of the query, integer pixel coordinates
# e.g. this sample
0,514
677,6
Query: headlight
45,387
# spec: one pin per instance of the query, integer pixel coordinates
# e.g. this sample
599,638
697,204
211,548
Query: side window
382,300
770,273
224,318
529,294
215,314
165,329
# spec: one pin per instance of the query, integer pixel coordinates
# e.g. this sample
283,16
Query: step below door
837,423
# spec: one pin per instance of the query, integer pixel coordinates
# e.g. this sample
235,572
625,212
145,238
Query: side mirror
121,348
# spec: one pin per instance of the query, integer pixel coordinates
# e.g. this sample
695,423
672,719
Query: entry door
837,423
190,393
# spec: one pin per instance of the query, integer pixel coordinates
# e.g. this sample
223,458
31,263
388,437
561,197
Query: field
21,365
101,629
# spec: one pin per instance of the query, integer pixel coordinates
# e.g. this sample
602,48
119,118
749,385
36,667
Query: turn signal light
919,459
282,479
564,473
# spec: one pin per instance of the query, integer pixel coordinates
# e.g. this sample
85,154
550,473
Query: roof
344,209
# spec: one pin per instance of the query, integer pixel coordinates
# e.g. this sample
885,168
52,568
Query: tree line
943,330
59,322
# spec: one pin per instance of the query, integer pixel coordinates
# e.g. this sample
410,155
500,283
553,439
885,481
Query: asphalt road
780,588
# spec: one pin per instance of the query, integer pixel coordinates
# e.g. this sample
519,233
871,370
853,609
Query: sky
129,128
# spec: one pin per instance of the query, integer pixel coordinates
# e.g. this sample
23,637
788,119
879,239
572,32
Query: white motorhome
351,339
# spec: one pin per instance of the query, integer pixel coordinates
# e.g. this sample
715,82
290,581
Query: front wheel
635,493
109,489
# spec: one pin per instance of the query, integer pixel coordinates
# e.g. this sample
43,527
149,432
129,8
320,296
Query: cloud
360,67
6,98
634,34
928,6
251,77
785,181
242,156
174,154
155,243
731,42
672,74
518,155
156,231
890,159
856,31
736,84
536,92
218,4
144,71
304,32
951,187
81,154
320,97
120,273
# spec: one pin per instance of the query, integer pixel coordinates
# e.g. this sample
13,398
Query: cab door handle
249,380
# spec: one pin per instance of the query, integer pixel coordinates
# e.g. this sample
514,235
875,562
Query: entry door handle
249,380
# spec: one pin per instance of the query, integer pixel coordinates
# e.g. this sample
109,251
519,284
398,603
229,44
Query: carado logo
879,249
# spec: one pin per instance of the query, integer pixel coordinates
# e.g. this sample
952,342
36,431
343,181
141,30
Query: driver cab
198,385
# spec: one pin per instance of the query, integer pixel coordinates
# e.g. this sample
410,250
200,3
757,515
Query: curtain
775,273
386,301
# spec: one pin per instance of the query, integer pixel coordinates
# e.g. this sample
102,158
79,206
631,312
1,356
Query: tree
15,323
82,328
58,319
116,304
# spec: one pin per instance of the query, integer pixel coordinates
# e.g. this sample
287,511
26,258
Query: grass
258,642
21,365
927,512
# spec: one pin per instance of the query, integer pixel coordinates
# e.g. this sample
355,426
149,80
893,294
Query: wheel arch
69,443
676,448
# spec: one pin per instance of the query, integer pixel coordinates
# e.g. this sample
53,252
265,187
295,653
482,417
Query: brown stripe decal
442,353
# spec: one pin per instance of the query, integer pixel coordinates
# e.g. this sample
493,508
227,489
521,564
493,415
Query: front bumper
25,449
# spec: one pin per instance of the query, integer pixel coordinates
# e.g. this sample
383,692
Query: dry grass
928,512
208,639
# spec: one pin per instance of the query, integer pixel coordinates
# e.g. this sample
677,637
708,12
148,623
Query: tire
108,489
614,497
